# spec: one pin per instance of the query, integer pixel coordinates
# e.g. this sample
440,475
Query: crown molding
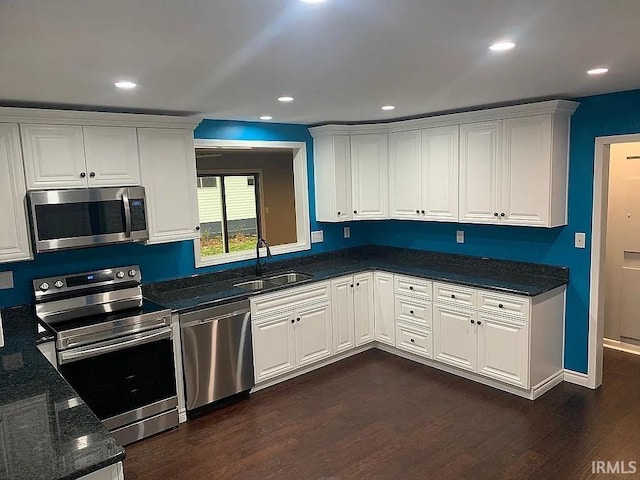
549,107
74,117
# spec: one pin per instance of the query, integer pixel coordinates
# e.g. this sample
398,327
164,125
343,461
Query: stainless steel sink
288,278
254,285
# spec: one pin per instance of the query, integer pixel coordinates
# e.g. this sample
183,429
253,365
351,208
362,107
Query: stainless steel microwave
86,217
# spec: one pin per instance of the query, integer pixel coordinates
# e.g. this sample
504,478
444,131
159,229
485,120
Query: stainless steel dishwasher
217,353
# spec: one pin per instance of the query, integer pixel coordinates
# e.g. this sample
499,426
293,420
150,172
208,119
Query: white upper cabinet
69,156
112,156
54,156
501,166
370,185
479,170
332,166
168,172
440,159
14,234
405,175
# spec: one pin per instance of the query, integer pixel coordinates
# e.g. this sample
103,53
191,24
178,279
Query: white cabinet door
14,234
112,156
503,350
332,175
314,334
274,351
479,172
342,314
526,171
364,308
455,337
384,312
370,183
168,168
440,159
405,175
53,156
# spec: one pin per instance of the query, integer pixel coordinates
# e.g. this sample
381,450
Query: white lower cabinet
273,346
342,309
455,337
384,315
414,340
313,332
364,308
503,349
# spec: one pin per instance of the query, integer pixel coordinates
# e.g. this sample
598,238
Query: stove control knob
120,274
59,284
44,286
133,273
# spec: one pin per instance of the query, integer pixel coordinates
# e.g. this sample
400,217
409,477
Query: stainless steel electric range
113,347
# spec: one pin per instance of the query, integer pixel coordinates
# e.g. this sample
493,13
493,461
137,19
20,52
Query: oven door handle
127,213
82,353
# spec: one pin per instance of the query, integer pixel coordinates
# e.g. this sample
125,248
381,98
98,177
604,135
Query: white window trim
300,181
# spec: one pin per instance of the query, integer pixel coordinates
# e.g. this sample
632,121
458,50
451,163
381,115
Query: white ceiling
341,60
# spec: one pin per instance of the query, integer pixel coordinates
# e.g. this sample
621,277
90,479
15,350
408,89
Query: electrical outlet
347,232
6,280
317,237
460,236
581,240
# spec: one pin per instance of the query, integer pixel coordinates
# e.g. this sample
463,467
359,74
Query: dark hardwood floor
377,416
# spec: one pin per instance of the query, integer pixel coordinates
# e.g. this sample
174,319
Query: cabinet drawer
413,286
290,299
414,341
504,304
453,294
416,311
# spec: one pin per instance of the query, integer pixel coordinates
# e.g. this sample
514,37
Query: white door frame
598,246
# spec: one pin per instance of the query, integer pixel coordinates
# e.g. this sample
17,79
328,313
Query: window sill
246,255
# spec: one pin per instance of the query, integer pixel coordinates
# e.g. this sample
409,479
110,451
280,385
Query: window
228,215
249,190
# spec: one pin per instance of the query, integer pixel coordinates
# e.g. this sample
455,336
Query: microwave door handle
127,213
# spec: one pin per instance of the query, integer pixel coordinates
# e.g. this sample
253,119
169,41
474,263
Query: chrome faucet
259,266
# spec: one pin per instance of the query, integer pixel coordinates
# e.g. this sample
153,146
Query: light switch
581,240
317,236
460,236
6,280
347,232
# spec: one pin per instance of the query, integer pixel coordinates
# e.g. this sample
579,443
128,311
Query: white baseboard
578,378
621,346
301,371
546,385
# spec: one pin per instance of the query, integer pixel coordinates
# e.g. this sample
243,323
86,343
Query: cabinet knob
198,228
453,296
355,211
418,212
423,212
473,321
503,214
500,305
479,322
293,321
298,319
92,174
82,174
410,288
358,284
339,213
411,312
412,340
352,285
495,214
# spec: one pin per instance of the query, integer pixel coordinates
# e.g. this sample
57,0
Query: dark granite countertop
518,278
49,433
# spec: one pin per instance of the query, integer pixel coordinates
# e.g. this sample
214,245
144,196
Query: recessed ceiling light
502,46
388,107
266,117
285,99
313,1
126,84
598,71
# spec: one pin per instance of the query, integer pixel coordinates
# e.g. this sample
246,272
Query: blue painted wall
602,115
163,262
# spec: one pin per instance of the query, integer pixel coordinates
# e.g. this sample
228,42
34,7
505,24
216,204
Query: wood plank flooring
377,416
